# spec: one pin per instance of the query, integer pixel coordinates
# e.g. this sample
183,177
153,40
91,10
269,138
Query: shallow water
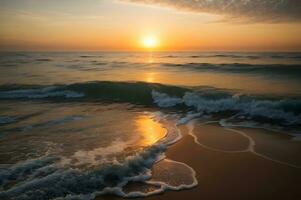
97,123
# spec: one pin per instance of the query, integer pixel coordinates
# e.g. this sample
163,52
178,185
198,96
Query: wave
273,110
35,176
32,179
281,112
288,56
261,111
292,70
296,55
131,92
227,56
41,93
90,56
248,56
43,59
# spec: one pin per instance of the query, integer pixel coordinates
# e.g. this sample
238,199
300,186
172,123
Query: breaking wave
35,176
275,112
281,111
68,179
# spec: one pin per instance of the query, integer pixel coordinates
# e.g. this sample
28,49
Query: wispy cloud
273,11
45,17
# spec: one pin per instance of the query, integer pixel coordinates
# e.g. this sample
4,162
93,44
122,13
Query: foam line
190,127
163,186
250,148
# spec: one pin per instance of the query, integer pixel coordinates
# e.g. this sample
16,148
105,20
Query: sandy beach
223,175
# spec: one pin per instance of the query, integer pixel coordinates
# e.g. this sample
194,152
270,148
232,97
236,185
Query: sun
150,42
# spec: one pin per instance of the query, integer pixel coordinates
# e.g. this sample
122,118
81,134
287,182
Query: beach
231,176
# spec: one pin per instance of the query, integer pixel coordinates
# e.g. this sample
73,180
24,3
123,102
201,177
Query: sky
177,25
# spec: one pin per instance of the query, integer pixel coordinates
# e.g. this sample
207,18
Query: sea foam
32,179
265,111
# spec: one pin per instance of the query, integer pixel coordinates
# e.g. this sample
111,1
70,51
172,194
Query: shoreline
220,175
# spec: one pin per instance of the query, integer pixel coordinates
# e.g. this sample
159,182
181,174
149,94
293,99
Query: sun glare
150,42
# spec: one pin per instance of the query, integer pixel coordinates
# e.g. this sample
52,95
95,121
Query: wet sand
224,175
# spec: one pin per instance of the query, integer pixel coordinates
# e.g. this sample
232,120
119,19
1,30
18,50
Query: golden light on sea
149,130
150,77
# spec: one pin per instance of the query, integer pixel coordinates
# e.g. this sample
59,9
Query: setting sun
150,42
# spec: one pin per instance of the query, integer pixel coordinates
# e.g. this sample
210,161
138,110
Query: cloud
273,11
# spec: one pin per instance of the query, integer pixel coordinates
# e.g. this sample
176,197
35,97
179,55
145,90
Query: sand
224,175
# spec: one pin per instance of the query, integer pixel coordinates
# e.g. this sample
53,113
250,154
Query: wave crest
285,112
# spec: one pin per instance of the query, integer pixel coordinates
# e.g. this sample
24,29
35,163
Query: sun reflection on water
150,58
150,131
150,77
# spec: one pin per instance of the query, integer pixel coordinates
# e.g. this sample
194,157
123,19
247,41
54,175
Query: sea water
82,124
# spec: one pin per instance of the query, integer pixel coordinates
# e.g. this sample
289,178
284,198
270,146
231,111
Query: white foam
163,186
250,148
34,177
163,100
96,156
263,108
244,108
169,123
188,117
190,127
20,170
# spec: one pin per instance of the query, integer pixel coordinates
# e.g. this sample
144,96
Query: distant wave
295,56
43,59
90,56
293,70
248,56
227,56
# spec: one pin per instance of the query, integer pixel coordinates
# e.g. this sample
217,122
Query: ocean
79,125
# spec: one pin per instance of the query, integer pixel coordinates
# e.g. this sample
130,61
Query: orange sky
120,26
